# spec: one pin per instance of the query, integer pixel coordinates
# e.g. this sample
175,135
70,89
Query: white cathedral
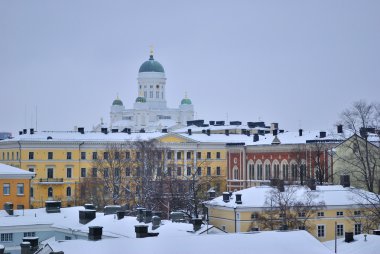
150,112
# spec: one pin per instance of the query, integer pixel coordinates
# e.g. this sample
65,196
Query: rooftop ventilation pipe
349,237
345,180
95,233
104,130
189,132
300,132
81,130
322,134
85,216
339,128
255,137
238,198
226,197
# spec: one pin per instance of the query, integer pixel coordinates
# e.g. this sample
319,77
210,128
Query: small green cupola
117,102
186,101
141,99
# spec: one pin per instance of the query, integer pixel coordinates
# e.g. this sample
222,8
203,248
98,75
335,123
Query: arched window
68,191
251,170
267,170
236,173
50,192
294,170
276,169
259,170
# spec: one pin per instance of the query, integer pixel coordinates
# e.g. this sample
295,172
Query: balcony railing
49,180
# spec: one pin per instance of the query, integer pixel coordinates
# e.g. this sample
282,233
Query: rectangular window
6,237
301,214
117,172
50,173
29,234
321,230
50,155
179,154
339,213
83,172
188,171
208,171
157,94
339,230
31,155
69,172
218,173
188,155
83,155
199,171
94,172
358,229
138,155
169,171
218,155
151,94
169,155
67,237
105,173
199,155
127,155
20,189
208,155
321,214
179,171
16,155
6,189
94,155
68,155
117,155
105,155
127,172
357,213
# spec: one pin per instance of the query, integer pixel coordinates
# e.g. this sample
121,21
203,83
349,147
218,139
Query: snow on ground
295,242
358,246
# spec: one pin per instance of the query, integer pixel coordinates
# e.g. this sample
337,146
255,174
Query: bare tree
291,208
360,154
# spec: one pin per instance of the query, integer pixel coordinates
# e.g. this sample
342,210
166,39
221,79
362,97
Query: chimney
312,184
85,216
25,248
20,133
95,233
211,122
300,132
31,131
226,197
8,207
255,137
81,130
129,131
339,128
274,126
274,132
156,222
322,134
142,231
211,194
227,132
53,206
208,132
114,130
120,214
238,198
142,130
147,216
33,243
140,214
376,231
104,130
24,131
345,180
197,223
164,130
349,237
189,132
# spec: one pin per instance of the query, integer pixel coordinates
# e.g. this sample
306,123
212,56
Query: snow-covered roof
9,172
295,242
331,195
359,246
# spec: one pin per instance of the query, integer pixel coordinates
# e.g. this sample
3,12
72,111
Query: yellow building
330,207
15,187
62,160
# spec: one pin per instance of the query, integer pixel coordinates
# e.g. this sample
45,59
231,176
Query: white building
150,111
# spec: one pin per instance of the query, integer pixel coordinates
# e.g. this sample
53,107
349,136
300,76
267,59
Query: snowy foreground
296,242
361,245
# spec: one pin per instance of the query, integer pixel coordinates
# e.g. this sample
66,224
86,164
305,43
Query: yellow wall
13,196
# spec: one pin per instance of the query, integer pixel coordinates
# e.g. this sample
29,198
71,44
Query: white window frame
342,228
20,189
6,188
6,237
324,230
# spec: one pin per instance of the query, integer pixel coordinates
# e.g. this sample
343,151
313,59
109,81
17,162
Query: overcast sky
298,63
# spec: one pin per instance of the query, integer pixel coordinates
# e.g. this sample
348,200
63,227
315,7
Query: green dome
117,102
141,99
151,66
186,101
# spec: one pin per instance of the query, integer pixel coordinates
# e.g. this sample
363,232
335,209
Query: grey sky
299,63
